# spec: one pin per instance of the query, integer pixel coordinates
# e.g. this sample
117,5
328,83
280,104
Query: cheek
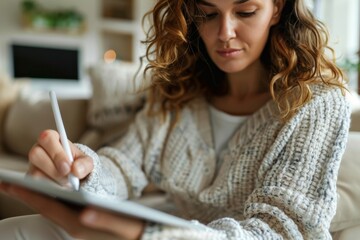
201,32
262,30
208,34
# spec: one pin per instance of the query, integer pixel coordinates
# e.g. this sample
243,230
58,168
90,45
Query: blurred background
53,42
342,19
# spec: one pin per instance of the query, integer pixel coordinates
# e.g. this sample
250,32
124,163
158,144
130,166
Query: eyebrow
203,2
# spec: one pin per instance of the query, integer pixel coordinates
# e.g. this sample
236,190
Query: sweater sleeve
297,192
119,168
295,195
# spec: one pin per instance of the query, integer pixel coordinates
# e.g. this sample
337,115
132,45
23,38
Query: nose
227,29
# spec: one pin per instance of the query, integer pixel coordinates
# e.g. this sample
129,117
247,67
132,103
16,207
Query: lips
229,52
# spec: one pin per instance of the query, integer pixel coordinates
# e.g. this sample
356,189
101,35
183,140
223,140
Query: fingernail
64,168
89,216
80,169
43,134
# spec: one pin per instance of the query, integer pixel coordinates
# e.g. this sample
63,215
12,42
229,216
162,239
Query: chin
230,68
233,65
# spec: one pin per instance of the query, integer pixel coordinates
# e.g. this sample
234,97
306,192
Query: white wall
342,18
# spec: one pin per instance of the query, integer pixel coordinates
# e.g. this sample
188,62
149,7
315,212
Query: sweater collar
201,110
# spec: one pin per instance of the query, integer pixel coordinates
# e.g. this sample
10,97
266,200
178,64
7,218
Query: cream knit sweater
275,180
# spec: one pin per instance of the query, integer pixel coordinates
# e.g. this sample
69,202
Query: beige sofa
26,117
24,120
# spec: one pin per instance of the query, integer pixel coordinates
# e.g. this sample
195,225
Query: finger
82,167
40,160
37,173
121,226
82,164
50,141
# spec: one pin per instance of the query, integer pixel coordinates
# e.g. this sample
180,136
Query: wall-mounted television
50,65
47,63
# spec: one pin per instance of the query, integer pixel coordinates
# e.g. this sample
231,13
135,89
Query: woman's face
235,31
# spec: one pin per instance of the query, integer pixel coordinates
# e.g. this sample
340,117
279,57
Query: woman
245,126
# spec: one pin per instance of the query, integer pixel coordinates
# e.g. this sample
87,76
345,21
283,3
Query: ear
278,7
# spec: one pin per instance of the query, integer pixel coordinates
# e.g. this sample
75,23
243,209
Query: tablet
83,198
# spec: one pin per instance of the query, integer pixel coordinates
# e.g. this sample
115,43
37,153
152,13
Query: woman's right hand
48,159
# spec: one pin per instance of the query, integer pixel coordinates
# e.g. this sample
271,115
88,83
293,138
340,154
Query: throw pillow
114,101
8,93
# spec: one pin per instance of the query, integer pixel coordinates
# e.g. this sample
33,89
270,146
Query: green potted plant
35,17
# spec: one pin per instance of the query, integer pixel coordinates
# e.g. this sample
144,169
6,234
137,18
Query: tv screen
45,63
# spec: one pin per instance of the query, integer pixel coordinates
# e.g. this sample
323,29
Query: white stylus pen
74,181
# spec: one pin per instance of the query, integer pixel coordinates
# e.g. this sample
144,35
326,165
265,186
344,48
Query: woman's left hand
86,223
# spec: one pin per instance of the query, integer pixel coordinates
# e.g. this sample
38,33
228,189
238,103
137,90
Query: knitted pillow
8,93
114,99
114,102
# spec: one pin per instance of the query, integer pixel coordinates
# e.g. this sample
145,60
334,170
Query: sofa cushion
114,102
114,99
355,120
13,162
29,115
348,186
8,93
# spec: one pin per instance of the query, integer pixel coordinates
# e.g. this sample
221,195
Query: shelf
47,38
64,21
122,44
79,32
118,9
120,26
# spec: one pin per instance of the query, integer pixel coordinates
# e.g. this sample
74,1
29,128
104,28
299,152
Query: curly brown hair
181,70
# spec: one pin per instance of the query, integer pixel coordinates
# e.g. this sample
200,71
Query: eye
209,16
246,14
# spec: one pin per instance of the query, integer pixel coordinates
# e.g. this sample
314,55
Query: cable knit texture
274,181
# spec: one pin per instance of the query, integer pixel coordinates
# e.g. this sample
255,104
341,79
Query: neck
252,81
248,91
